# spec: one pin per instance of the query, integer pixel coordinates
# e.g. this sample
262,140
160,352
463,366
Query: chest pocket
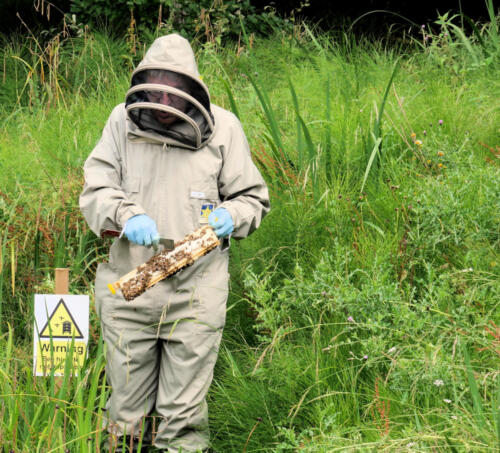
131,185
202,202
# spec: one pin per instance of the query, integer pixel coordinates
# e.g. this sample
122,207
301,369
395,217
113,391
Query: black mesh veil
171,104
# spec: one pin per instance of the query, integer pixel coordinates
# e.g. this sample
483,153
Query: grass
363,313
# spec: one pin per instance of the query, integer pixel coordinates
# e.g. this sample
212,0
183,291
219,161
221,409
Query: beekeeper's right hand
141,229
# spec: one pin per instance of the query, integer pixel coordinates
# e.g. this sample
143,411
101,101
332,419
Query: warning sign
61,324
60,333
54,354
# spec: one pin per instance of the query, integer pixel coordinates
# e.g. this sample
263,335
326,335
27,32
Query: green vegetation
364,313
204,20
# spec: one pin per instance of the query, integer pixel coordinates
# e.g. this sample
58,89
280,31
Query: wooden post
62,280
61,287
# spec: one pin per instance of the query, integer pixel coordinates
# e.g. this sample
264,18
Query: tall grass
46,414
396,273
363,313
41,72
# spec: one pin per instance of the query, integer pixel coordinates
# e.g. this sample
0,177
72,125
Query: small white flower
393,349
438,382
412,444
446,400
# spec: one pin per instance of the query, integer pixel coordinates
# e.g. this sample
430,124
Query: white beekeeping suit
171,155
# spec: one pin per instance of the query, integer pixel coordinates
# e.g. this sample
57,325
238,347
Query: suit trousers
161,350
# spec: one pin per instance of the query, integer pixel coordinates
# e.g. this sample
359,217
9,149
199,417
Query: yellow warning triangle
61,324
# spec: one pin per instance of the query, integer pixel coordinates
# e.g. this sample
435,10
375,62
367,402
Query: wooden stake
62,280
61,287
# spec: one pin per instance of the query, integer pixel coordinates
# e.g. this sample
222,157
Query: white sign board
61,326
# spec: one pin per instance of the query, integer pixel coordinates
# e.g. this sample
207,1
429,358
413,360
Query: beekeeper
168,161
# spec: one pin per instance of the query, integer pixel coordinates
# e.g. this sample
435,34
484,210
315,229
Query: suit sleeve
103,202
242,189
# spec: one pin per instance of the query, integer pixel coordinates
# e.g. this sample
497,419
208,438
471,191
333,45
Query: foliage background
363,313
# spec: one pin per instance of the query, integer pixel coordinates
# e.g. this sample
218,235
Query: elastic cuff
232,213
129,212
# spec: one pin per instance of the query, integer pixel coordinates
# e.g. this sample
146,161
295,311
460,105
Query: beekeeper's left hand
222,223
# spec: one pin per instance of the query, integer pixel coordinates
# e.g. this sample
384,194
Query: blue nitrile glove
220,220
141,229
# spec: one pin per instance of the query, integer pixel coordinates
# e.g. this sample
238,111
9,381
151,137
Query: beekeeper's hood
167,96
